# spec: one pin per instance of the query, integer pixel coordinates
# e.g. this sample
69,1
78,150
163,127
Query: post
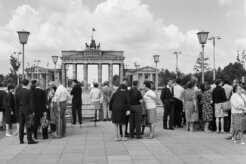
99,75
177,64
110,77
46,79
202,63
63,69
121,72
156,77
214,73
86,76
55,73
23,63
74,71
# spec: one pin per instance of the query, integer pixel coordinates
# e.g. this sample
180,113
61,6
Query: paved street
90,145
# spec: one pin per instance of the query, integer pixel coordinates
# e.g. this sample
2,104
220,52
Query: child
45,125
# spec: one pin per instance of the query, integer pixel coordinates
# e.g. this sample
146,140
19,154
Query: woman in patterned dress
219,96
238,109
190,105
206,101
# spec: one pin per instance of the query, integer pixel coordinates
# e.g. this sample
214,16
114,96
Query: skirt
151,115
119,116
219,112
239,122
96,104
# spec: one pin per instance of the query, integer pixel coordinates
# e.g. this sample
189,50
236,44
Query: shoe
104,119
32,142
124,139
8,135
150,137
139,137
117,139
233,140
165,128
242,143
171,129
229,138
22,142
131,137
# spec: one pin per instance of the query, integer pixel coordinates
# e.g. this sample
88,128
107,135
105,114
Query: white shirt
237,102
178,92
61,94
150,102
95,94
228,90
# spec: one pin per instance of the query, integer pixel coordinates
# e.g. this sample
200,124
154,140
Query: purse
194,117
226,106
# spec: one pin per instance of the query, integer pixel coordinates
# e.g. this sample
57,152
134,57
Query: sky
140,28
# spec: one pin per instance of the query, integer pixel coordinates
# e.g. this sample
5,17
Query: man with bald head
38,105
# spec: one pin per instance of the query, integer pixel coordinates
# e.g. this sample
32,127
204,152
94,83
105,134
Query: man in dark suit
2,97
76,101
168,103
38,105
23,105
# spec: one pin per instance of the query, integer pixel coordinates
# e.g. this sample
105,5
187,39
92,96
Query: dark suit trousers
23,117
135,120
77,109
178,112
168,111
36,123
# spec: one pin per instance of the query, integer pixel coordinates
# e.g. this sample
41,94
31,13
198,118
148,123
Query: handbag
30,121
226,106
194,117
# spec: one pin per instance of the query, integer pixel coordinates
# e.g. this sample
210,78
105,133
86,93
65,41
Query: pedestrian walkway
90,145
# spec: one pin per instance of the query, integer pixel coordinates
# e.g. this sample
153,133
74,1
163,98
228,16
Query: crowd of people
219,107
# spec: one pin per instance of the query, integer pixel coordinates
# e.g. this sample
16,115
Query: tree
15,65
164,75
198,66
233,71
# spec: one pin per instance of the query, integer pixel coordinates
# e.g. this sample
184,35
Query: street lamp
202,37
177,62
214,38
55,59
23,37
156,60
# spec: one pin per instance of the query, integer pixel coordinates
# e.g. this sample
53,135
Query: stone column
151,77
100,75
46,79
110,74
74,71
86,76
121,72
63,70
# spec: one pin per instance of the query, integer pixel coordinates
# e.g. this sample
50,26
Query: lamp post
55,59
177,60
213,38
47,76
202,37
23,37
156,60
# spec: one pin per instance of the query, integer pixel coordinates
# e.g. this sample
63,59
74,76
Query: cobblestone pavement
96,145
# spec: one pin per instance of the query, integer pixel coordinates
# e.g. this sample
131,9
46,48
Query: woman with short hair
119,106
219,96
190,106
9,109
238,109
206,103
150,105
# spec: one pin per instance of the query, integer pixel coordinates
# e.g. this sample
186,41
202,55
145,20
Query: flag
93,29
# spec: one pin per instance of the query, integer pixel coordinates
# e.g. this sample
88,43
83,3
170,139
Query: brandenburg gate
92,55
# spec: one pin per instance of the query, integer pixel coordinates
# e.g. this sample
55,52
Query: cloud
225,2
120,25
